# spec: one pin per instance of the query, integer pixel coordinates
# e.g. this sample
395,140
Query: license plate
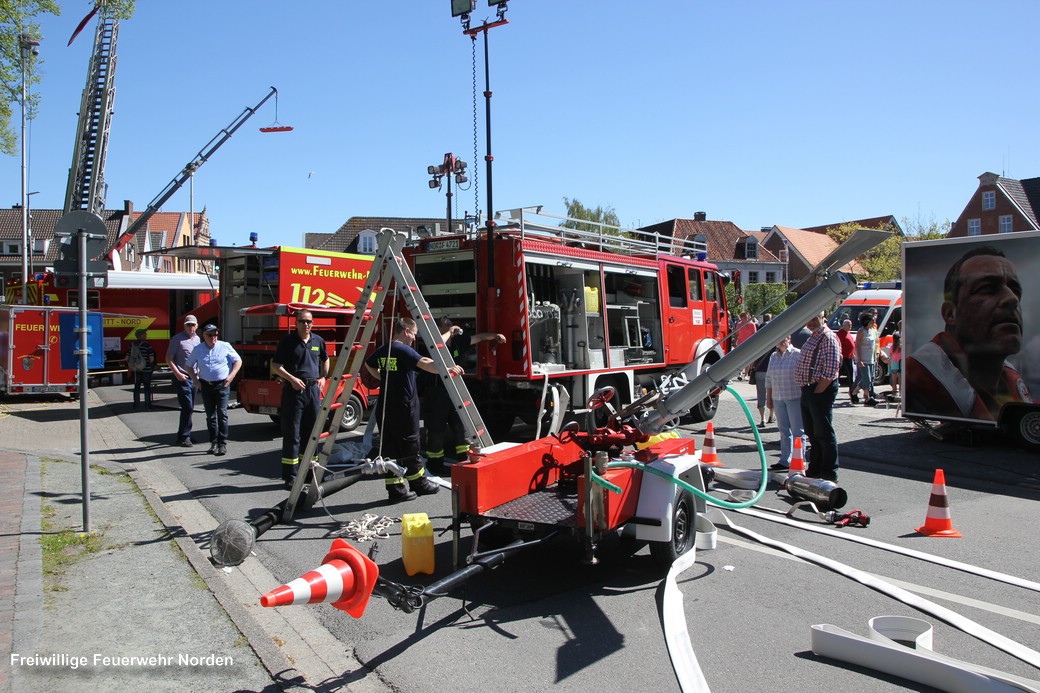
44,388
269,410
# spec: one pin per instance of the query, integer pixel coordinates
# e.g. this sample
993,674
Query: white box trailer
971,338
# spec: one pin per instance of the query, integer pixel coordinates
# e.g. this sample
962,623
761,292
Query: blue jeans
215,400
789,421
186,402
818,421
866,379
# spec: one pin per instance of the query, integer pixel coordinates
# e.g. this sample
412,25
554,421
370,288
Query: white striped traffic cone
797,459
708,454
345,578
937,522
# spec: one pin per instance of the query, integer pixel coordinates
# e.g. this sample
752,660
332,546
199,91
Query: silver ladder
388,268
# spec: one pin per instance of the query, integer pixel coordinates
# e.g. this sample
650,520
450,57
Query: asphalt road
544,621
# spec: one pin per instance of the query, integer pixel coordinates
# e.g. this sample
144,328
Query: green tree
884,261
600,215
925,230
18,17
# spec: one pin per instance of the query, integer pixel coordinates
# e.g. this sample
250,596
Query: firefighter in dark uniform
398,408
302,361
440,415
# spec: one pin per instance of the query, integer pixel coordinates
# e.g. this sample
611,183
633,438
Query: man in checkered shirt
817,375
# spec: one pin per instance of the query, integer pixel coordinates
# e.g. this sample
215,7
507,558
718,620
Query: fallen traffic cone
708,454
797,458
345,578
937,522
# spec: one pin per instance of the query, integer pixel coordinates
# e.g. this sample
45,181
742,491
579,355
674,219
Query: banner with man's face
971,332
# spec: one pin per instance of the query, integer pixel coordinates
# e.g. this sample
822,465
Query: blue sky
760,113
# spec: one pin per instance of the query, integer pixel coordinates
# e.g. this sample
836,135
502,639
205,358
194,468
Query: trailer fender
657,497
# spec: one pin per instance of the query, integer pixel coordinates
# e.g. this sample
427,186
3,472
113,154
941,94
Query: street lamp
28,45
462,8
447,169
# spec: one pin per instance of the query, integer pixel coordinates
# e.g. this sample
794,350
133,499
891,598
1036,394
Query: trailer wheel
352,413
664,553
1024,424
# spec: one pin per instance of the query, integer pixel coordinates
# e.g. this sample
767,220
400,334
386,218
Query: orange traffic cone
937,522
797,458
708,454
345,578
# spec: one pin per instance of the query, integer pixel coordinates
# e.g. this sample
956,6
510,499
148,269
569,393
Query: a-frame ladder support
388,268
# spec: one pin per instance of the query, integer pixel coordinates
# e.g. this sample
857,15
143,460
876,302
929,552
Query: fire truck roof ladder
534,223
388,268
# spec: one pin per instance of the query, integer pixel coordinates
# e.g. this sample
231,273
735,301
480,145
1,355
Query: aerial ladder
86,188
389,269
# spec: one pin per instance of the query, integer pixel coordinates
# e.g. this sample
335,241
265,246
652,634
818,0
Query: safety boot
398,493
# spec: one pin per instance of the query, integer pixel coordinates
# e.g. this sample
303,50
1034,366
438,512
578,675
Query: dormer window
989,200
367,242
751,249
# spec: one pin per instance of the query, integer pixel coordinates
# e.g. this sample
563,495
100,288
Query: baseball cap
191,320
210,327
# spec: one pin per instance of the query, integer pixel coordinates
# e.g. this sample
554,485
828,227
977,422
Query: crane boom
174,185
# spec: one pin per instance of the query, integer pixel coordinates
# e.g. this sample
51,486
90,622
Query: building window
989,200
751,249
770,277
974,227
10,248
1005,223
752,277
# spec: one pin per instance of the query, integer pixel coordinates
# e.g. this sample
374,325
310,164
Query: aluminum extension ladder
388,268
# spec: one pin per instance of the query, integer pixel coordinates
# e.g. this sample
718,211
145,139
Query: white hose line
1027,655
912,553
687,669
883,651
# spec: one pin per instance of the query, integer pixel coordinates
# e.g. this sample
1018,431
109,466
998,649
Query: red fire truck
260,290
152,301
582,306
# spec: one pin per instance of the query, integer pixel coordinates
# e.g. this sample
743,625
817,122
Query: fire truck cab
260,290
582,306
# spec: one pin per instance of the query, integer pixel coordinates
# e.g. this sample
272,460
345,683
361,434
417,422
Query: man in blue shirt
302,361
180,349
214,364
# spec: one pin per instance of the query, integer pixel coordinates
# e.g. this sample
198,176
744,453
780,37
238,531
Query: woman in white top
784,396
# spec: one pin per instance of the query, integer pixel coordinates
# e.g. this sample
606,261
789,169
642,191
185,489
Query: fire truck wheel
500,424
880,373
702,411
352,414
664,553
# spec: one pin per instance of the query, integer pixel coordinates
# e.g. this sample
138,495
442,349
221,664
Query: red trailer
30,361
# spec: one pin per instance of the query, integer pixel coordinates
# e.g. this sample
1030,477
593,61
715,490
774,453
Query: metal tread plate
547,507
